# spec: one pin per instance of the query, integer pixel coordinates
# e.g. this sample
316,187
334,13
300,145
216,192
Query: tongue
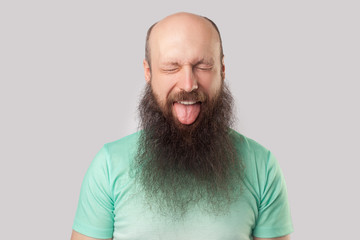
187,114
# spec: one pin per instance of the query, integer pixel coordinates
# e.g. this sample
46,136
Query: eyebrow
169,64
176,63
205,61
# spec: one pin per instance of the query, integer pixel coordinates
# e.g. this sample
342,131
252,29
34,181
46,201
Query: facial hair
182,166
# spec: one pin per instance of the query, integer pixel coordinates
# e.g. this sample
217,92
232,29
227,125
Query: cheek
210,83
162,88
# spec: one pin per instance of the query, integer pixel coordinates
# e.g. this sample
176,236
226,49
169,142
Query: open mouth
186,111
187,102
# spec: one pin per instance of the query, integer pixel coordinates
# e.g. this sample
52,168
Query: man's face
183,60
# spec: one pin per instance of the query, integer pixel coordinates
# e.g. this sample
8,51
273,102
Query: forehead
184,39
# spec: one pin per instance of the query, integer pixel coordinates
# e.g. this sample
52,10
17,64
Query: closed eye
204,68
169,70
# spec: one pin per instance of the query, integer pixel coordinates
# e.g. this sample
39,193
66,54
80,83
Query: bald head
187,23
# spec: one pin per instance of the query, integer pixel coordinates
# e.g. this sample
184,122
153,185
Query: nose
188,80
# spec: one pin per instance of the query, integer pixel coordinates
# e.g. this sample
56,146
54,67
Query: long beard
180,166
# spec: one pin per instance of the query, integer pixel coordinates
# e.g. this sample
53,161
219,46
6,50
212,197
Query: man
186,174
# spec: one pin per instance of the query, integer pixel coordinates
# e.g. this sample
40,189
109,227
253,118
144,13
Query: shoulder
261,166
257,160
120,153
123,145
249,149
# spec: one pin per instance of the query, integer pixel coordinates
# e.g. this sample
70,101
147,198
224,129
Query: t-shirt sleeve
274,219
95,213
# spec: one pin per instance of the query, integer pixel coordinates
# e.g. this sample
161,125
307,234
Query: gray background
71,76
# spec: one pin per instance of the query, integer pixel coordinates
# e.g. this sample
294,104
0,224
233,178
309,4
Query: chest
134,220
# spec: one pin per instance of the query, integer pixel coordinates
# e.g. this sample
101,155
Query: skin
78,236
287,237
183,58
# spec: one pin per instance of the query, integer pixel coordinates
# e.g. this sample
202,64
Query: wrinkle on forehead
177,62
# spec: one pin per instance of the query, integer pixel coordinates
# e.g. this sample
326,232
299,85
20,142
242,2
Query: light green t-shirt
110,207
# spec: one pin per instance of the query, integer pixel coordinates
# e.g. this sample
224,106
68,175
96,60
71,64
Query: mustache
196,95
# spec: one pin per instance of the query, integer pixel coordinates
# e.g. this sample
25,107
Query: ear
223,68
147,71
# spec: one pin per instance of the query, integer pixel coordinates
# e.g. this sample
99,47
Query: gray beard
180,166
